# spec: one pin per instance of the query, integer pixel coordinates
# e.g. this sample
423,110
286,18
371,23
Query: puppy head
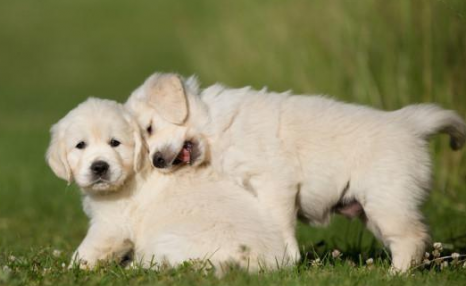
172,148
97,144
164,113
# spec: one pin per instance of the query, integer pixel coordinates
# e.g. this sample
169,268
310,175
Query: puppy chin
102,186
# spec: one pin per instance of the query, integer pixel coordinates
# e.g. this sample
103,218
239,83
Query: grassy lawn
54,54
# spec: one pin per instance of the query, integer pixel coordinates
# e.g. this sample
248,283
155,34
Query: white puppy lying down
306,152
167,219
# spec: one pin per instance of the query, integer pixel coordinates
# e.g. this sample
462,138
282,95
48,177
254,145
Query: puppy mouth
185,156
167,160
102,186
100,183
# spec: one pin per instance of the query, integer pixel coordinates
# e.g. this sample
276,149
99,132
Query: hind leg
401,229
395,188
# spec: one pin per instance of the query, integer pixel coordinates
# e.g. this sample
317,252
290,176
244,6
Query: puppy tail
430,119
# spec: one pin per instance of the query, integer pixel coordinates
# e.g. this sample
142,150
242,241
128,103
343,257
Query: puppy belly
350,210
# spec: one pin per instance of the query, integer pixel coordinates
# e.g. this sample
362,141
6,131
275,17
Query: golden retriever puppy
306,153
164,219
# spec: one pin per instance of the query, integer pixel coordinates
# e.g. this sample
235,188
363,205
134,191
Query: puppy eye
114,143
81,145
149,129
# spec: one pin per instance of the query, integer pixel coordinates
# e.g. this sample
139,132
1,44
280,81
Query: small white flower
63,265
438,246
455,255
316,262
426,255
133,265
336,253
370,261
438,261
12,258
444,265
436,253
6,269
426,262
56,252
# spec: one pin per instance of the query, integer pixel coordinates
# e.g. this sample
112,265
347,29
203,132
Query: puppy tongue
185,156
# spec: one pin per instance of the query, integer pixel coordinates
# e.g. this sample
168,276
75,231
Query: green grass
43,267
54,54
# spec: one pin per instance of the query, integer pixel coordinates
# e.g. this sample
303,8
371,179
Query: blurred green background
54,54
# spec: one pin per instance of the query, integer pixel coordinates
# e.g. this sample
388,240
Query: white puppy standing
165,219
306,152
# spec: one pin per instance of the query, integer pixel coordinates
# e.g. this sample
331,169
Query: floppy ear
140,148
56,156
167,95
140,151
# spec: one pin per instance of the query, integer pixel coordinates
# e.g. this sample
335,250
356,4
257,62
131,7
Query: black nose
159,161
99,168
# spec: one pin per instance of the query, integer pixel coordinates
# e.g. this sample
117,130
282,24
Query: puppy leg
102,242
401,230
279,201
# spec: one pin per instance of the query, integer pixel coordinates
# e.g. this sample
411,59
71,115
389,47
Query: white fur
165,219
313,153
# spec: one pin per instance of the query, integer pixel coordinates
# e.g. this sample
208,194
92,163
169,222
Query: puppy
309,153
164,219
98,146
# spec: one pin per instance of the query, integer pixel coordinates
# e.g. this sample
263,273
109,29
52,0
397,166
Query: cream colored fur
307,153
165,218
